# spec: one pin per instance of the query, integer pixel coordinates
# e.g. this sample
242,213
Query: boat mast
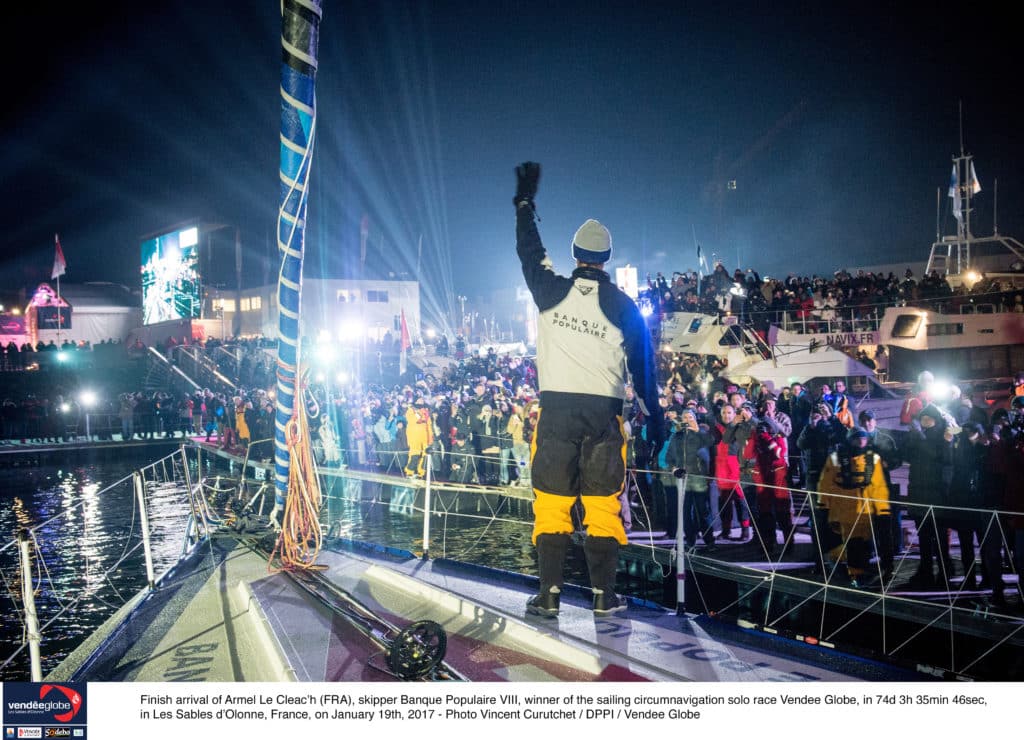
963,205
963,186
299,41
995,207
964,189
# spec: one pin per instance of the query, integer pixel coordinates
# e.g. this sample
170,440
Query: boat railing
47,584
799,549
831,321
975,308
867,315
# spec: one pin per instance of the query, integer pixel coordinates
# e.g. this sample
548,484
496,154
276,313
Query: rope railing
100,578
807,573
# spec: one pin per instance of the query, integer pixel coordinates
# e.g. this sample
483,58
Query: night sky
837,125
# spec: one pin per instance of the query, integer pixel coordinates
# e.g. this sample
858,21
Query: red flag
406,340
59,265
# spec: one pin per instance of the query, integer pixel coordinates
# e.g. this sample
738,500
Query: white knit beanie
592,243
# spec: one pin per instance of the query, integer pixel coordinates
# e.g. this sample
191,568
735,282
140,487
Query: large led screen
170,277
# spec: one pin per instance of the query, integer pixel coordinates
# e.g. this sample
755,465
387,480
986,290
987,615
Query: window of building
376,296
245,304
348,296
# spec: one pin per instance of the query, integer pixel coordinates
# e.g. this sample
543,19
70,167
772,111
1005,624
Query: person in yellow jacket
419,432
241,426
852,488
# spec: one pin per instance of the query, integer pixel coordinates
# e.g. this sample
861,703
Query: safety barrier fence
88,425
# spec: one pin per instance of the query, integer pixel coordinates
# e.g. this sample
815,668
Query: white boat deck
228,618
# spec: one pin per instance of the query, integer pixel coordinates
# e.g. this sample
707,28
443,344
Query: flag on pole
701,261
406,344
59,265
973,182
406,340
954,192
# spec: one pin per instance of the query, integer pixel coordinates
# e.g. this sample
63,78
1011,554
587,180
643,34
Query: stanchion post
29,599
426,511
185,471
680,546
140,494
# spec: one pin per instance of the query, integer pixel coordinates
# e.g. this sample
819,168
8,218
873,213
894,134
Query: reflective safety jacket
853,489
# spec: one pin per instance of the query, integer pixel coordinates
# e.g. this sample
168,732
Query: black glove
679,472
527,177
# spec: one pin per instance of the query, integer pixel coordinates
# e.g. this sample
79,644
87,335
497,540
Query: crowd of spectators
15,357
816,303
742,451
745,449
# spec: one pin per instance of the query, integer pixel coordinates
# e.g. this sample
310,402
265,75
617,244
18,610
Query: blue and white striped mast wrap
300,35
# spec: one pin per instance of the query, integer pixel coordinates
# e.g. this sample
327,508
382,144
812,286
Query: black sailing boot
602,562
551,551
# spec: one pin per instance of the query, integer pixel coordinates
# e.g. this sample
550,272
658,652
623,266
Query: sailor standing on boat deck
591,341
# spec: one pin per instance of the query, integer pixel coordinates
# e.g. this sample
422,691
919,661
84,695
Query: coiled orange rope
298,544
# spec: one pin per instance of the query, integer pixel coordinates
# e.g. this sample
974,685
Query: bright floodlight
62,357
88,399
431,332
350,330
320,377
188,237
65,407
646,310
325,354
342,378
940,390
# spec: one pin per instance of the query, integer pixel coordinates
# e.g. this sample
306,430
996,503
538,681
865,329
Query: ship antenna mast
961,103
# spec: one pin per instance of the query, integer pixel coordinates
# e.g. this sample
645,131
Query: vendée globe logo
44,703
73,697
